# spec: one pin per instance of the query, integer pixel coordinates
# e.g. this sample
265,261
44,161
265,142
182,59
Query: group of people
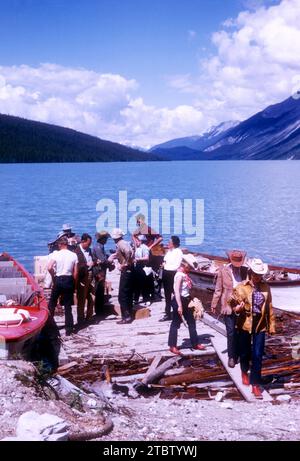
244,297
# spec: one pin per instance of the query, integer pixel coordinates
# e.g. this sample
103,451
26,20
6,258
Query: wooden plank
220,344
214,323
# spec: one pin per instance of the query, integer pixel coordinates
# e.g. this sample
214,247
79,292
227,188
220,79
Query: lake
253,206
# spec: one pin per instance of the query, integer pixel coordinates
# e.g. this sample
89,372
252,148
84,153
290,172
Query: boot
257,391
175,350
245,379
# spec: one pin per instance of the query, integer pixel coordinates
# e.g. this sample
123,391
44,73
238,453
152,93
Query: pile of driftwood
200,377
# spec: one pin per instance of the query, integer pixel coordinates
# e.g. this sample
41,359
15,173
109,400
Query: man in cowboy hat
125,256
73,239
99,270
229,276
252,303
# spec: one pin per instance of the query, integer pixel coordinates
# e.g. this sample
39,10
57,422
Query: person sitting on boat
182,297
229,276
63,268
171,264
100,269
251,302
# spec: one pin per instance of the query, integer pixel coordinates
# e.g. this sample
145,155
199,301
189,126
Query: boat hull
16,340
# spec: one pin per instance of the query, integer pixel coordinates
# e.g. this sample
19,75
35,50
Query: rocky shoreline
24,395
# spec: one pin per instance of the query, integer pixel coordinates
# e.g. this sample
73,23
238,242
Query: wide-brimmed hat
102,234
237,257
258,267
117,233
67,228
190,260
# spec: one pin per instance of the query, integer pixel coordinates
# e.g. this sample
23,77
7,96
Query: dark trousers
251,349
168,282
142,283
231,336
63,286
125,296
177,320
155,262
99,297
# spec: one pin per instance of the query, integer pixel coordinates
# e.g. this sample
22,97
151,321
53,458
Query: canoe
23,309
284,281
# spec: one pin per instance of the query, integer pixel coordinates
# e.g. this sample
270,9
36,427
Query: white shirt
173,259
87,256
184,289
236,275
142,251
65,261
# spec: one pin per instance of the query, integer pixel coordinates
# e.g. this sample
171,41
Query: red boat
23,309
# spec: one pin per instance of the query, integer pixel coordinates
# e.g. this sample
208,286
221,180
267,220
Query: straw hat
237,257
117,233
258,267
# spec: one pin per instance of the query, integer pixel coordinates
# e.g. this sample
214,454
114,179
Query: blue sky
161,56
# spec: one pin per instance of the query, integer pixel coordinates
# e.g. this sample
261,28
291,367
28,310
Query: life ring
13,316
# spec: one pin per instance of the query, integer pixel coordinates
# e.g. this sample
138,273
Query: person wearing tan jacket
229,276
252,303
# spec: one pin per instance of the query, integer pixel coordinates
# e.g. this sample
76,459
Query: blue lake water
248,205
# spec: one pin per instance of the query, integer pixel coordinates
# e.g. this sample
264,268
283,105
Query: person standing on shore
251,301
142,284
229,276
172,262
153,240
182,290
100,269
63,267
85,278
125,256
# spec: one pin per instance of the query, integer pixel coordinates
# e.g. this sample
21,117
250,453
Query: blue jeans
177,320
251,349
231,336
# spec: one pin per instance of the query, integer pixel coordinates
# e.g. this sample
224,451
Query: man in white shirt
63,267
172,262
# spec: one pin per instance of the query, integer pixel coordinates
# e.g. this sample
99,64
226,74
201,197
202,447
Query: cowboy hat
190,260
67,229
258,267
237,257
101,234
117,233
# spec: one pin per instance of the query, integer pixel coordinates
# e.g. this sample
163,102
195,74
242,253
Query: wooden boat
284,281
23,309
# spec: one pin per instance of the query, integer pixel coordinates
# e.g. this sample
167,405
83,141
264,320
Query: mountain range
272,134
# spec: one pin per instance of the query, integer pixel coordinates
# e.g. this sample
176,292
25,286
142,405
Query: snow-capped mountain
273,133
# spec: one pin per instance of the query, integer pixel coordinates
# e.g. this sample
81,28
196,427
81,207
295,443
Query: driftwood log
91,435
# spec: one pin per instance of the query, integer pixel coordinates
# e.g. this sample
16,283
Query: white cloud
105,105
256,63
